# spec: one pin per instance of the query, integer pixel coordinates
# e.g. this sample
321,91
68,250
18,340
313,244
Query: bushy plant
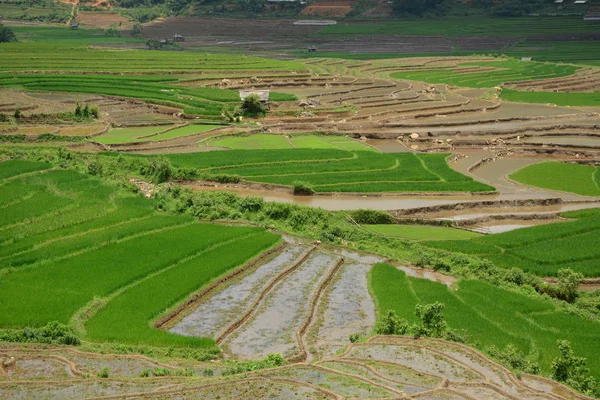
573,370
302,188
252,106
372,217
51,333
513,358
390,324
104,373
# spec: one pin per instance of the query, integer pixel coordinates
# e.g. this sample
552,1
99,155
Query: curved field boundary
406,341
272,283
303,356
197,298
477,204
290,381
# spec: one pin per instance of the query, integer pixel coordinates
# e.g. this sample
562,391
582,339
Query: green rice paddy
543,249
421,232
574,178
150,133
69,241
489,315
263,141
335,170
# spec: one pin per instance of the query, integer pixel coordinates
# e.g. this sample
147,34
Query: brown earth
100,20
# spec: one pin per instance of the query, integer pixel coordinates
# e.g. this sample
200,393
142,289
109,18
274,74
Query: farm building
526,58
74,25
178,38
263,95
312,49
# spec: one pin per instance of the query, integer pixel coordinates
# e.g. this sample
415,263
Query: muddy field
383,367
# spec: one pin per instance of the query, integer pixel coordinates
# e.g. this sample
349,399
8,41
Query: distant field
505,71
421,232
560,99
261,141
467,26
543,249
490,315
159,89
150,133
68,239
575,178
572,51
329,170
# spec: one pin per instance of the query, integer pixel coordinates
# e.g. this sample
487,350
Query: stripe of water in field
222,308
349,309
273,328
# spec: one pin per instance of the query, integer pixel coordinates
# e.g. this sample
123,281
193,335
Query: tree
252,105
432,319
572,370
137,29
390,324
567,283
153,44
415,7
7,35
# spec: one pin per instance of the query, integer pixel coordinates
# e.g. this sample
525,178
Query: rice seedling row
488,315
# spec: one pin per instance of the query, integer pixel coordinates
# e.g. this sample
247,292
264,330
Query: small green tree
573,370
78,110
113,31
153,44
17,114
136,29
567,283
7,35
253,106
85,113
390,324
432,321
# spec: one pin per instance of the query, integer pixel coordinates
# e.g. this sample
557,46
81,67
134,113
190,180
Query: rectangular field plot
265,141
542,250
68,240
489,315
335,170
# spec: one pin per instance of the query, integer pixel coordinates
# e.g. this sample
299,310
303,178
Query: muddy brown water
428,274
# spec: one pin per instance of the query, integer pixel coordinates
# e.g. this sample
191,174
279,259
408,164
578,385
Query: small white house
263,95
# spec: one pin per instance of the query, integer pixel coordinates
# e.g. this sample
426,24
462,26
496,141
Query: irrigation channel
514,206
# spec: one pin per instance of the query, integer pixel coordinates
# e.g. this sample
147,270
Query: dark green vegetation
505,71
334,170
542,250
73,245
38,10
488,315
575,178
467,26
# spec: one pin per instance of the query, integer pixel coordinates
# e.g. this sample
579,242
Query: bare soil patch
101,20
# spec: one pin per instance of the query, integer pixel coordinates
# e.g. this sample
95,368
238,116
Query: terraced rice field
421,232
489,315
542,250
335,170
150,133
295,304
574,178
383,367
262,141
59,224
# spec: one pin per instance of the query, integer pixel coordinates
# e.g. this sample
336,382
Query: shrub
4,117
252,106
431,318
104,373
372,217
390,324
573,370
567,283
51,333
513,358
159,169
223,178
208,372
354,337
17,114
302,188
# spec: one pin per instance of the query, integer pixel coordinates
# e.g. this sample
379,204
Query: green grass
574,178
543,249
270,142
421,232
128,135
467,26
506,71
183,131
67,239
560,99
490,315
572,51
